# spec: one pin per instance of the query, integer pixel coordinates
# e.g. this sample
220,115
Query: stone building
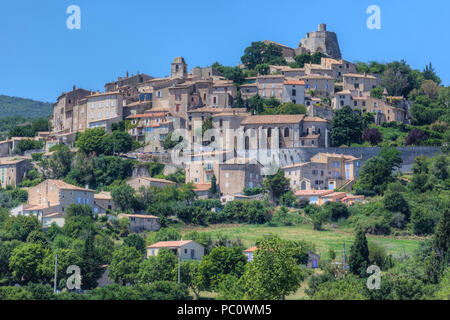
55,196
151,128
178,68
322,85
237,174
295,131
141,222
104,109
356,82
103,202
293,91
127,81
13,171
62,120
184,250
320,41
323,171
137,182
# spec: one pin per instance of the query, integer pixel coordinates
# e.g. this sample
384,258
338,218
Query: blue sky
40,58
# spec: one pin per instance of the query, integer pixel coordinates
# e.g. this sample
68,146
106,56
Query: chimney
86,186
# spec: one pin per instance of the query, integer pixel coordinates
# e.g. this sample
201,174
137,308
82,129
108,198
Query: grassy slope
323,240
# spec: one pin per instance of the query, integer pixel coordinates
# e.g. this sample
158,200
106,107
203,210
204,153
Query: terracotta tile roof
252,249
312,192
351,196
314,119
295,165
249,85
358,75
335,195
104,195
155,180
343,92
316,76
11,161
273,119
294,82
209,110
65,186
139,216
169,244
202,187
148,115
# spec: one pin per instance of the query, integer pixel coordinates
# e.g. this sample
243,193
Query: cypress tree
359,254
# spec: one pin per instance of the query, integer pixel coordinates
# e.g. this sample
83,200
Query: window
177,108
215,100
286,132
355,103
294,92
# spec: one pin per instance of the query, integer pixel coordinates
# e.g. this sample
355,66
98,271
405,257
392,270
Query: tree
347,288
430,74
213,189
430,89
21,226
189,276
90,264
415,137
441,247
377,92
66,258
221,261
398,79
346,127
273,273
260,53
25,260
373,136
124,197
359,254
277,184
118,142
255,104
262,69
395,202
124,265
159,268
376,172
169,143
135,241
291,108
59,163
92,140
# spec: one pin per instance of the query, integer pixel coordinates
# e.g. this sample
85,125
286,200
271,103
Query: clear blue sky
40,57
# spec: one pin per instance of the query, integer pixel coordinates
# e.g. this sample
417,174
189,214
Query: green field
323,240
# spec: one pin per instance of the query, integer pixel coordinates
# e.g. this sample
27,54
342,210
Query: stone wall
298,155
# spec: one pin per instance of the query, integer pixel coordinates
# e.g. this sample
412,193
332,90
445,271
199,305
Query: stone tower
179,68
320,41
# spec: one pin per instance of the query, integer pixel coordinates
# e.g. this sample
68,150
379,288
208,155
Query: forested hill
27,108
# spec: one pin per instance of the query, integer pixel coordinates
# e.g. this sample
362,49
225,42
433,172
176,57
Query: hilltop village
167,188
155,107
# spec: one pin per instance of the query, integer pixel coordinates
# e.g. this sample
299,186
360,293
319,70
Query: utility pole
345,258
56,273
179,260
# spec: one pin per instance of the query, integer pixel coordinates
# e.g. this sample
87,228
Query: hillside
27,108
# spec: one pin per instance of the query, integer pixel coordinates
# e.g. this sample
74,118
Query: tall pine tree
359,254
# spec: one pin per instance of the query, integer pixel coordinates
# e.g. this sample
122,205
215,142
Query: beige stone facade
13,171
323,171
